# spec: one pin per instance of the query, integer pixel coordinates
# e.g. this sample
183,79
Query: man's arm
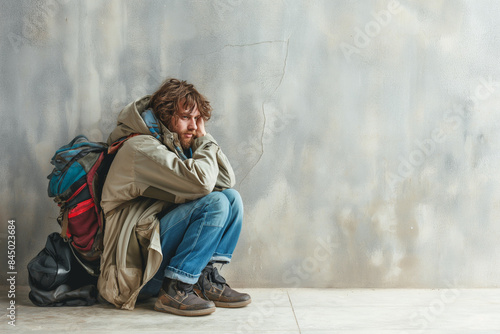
157,167
225,178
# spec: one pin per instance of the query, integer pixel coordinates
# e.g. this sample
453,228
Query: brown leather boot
213,286
179,298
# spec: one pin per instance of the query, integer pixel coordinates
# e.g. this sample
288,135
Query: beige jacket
148,177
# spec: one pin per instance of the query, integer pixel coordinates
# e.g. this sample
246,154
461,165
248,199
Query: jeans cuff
221,258
180,275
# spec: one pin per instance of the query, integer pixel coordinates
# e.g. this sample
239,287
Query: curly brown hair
173,92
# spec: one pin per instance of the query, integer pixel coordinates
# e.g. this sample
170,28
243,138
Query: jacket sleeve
226,178
156,167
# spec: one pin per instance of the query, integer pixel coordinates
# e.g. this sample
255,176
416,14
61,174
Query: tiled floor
275,311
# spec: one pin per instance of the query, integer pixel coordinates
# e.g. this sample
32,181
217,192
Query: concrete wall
364,134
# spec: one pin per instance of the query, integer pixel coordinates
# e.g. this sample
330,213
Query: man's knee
218,207
234,199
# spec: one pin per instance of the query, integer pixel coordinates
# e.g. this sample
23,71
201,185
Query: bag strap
64,224
113,148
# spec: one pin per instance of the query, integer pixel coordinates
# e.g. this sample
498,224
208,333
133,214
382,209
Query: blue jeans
195,233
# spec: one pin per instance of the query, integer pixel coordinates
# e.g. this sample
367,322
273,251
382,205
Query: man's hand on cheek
200,131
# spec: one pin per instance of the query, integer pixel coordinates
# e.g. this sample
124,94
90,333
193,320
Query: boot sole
186,313
233,304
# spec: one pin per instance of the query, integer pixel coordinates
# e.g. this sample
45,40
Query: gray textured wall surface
364,134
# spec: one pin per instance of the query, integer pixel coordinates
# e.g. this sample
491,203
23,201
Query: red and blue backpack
75,183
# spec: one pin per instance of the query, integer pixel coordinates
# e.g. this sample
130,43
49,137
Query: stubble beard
187,142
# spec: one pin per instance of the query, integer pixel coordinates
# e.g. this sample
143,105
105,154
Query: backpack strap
113,148
64,223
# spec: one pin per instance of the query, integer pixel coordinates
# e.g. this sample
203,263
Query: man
170,211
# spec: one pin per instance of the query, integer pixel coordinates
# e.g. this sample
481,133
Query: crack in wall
232,46
287,42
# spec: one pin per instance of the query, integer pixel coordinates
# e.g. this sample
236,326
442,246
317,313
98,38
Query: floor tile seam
293,311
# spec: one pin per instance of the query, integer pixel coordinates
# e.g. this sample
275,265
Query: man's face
184,123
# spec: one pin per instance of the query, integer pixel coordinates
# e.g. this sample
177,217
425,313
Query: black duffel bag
56,278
